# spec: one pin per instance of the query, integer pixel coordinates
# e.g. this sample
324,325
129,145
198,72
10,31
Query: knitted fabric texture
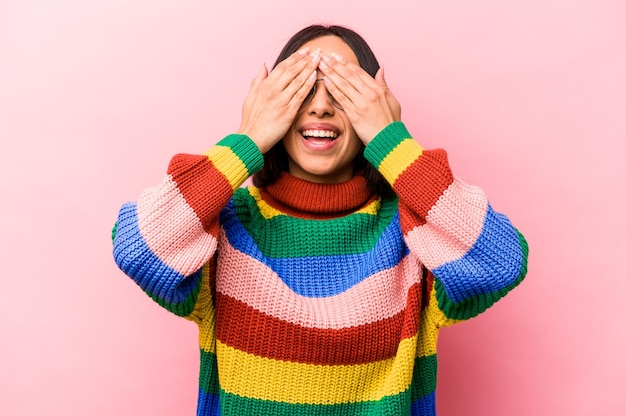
317,299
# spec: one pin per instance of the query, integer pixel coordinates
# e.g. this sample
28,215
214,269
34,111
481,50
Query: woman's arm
163,240
474,252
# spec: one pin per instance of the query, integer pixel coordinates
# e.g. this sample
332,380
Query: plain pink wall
528,97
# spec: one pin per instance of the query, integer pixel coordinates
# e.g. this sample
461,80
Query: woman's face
321,143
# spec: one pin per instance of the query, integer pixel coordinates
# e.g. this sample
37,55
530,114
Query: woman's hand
274,100
369,104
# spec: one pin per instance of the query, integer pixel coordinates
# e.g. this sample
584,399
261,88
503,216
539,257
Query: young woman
321,289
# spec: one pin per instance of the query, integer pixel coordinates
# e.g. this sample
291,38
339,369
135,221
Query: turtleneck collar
299,197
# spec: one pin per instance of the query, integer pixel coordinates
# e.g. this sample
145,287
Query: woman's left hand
368,103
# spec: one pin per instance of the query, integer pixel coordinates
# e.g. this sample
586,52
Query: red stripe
204,187
409,219
245,328
429,278
421,185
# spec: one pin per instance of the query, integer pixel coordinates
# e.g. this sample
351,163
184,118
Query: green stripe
479,303
424,383
209,382
246,150
393,405
290,237
425,372
181,309
385,141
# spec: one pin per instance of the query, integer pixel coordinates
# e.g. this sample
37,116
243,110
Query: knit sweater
318,299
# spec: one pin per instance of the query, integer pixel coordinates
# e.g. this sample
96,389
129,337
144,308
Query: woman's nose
321,102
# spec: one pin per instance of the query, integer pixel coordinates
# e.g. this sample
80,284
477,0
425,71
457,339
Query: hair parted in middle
276,159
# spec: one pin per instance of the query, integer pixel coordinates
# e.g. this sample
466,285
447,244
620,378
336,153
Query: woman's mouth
319,139
313,133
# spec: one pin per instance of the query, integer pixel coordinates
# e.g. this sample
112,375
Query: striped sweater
316,299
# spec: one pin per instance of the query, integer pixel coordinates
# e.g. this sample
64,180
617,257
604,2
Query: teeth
319,133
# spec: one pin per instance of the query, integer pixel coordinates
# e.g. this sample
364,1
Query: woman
321,289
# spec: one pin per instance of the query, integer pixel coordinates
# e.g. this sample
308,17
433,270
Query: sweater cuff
246,150
392,151
237,157
385,141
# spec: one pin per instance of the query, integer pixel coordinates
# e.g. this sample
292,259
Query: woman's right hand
274,100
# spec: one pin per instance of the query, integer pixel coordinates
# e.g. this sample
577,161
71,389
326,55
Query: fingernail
337,57
326,58
303,51
323,65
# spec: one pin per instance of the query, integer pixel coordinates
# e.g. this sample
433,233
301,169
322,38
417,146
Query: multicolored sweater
318,299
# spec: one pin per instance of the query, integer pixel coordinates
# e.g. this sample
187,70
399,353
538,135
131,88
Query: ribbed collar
299,197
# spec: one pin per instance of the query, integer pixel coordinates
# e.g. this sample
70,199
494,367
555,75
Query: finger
263,72
286,71
345,102
351,79
362,81
380,78
260,76
353,73
298,88
340,85
300,93
302,77
394,105
293,58
254,86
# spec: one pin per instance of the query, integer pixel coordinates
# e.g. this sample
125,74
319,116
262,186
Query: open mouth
319,134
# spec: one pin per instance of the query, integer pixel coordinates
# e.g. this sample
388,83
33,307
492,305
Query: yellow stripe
206,336
204,313
400,158
227,162
371,209
428,334
266,210
262,378
435,314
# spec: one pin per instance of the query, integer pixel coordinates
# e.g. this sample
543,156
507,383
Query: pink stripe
253,283
452,226
172,230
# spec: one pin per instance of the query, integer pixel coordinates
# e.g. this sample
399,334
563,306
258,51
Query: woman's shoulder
242,204
245,196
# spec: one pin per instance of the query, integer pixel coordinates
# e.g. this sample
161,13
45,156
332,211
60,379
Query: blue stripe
135,258
424,406
493,263
323,276
208,404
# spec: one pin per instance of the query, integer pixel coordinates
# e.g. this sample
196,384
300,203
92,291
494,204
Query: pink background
528,97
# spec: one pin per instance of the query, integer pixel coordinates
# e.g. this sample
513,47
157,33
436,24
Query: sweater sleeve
163,240
474,252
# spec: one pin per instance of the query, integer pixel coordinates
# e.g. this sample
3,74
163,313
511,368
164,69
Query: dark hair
276,159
